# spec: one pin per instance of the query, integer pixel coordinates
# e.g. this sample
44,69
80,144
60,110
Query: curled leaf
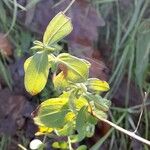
59,27
99,102
75,69
95,84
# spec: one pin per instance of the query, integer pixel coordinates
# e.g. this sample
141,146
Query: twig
101,141
21,147
69,6
44,139
131,134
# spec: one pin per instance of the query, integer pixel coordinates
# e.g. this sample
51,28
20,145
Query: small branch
44,139
131,134
21,147
71,3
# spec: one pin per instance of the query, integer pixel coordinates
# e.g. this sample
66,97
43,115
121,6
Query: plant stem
103,139
129,133
44,139
69,6
21,147
69,142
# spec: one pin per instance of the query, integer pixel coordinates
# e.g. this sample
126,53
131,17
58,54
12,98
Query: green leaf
99,102
142,53
59,27
97,112
78,137
90,129
82,147
91,119
69,127
37,48
81,119
95,84
71,102
102,103
74,69
38,45
52,63
51,113
36,72
60,145
53,48
81,124
67,130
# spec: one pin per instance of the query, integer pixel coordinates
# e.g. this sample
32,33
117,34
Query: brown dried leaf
13,110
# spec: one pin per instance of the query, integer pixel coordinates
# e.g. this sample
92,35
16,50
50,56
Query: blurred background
114,35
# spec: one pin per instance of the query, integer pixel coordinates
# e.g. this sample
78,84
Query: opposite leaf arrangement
74,113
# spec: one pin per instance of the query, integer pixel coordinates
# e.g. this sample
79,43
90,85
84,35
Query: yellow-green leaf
81,119
95,84
82,147
36,72
74,69
60,145
59,27
52,112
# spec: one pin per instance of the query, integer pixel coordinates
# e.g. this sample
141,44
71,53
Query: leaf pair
55,113
36,67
